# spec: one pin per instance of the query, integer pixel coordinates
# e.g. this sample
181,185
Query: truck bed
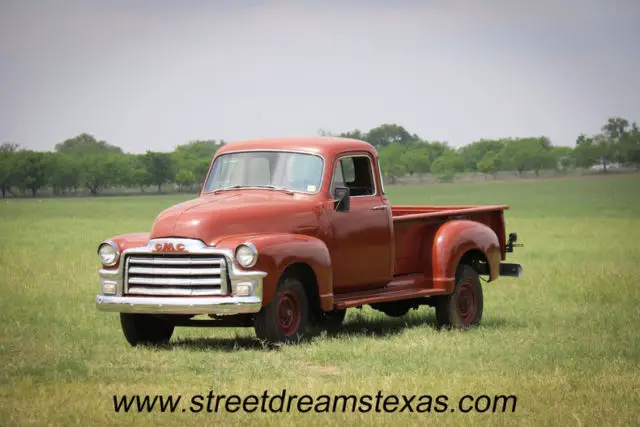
415,227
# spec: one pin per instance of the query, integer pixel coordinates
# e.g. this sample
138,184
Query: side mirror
342,200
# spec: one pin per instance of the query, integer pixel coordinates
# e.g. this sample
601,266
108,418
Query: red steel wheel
289,312
286,317
462,308
466,302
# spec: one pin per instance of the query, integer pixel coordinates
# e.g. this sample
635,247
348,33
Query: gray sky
154,74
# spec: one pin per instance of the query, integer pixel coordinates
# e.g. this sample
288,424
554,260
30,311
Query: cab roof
323,145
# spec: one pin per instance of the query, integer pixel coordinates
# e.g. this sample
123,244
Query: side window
354,172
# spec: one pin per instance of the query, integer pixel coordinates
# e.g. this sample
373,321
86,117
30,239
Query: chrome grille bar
175,271
155,259
172,281
169,291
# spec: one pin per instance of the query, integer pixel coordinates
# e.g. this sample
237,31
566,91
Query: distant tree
490,163
605,148
388,134
185,179
446,166
630,146
524,154
354,134
585,153
63,172
9,173
200,148
472,154
31,167
9,147
563,157
391,161
100,171
436,149
611,141
417,161
160,166
541,154
84,144
616,127
196,157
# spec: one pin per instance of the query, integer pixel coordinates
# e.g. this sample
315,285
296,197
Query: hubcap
289,313
466,302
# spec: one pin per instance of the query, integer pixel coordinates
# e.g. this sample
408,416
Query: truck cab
289,233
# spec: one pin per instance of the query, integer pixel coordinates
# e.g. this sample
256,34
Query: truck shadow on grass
379,327
388,326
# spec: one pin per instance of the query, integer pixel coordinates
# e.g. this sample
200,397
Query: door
361,241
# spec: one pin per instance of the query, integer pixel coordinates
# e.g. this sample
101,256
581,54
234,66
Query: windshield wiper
273,187
233,187
269,187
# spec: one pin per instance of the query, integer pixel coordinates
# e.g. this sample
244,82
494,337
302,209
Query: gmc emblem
169,247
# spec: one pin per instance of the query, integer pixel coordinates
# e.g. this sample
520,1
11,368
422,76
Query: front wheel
463,308
145,329
286,317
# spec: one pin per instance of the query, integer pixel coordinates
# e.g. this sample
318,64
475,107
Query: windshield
273,169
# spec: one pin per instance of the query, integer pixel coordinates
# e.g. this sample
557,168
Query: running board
402,288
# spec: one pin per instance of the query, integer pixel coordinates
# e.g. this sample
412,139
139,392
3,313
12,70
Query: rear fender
455,238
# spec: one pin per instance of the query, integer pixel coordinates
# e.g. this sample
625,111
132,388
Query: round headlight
108,253
246,255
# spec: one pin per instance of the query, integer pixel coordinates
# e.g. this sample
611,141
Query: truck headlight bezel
109,253
246,255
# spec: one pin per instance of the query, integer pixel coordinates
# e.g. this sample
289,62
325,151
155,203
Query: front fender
278,251
455,238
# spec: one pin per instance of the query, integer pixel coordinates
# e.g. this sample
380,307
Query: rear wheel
463,308
145,329
286,317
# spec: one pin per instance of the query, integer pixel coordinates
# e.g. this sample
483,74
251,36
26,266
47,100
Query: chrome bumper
179,305
118,300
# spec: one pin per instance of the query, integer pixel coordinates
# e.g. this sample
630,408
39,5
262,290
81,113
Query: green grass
564,338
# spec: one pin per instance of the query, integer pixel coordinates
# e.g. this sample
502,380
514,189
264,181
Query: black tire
332,320
145,329
286,318
462,308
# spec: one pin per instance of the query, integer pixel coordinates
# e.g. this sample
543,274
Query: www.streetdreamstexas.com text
285,402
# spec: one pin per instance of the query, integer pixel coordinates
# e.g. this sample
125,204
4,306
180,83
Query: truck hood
213,217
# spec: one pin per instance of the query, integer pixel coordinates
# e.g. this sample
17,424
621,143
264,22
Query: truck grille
175,275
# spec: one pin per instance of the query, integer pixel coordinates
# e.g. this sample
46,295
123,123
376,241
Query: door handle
379,207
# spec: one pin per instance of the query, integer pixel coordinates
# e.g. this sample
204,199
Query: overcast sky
154,74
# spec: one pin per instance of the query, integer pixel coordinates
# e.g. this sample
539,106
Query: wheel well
477,260
306,275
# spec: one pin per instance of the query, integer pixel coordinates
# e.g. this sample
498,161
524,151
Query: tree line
84,163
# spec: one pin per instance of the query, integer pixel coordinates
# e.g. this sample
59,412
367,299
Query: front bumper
114,295
179,305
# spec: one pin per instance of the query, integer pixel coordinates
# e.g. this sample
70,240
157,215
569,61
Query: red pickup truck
289,233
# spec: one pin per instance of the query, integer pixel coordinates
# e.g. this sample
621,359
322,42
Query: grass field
564,338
